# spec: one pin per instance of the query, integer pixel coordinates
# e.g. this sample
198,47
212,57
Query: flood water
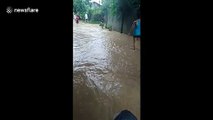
106,76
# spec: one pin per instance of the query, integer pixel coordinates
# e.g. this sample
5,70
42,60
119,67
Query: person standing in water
74,16
86,17
77,19
137,30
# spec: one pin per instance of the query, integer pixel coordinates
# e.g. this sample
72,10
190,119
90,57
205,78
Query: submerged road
106,73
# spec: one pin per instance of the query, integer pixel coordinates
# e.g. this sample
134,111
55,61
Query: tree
81,7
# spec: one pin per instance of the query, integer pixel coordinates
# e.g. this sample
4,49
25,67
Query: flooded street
106,76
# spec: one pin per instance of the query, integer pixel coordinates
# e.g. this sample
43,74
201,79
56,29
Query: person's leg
138,38
133,43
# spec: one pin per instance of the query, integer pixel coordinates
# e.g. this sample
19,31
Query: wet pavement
106,76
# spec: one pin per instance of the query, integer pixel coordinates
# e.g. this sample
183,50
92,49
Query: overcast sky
95,1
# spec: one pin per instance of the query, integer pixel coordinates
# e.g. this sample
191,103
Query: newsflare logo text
11,10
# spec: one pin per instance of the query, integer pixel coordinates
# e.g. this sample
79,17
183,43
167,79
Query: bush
95,15
102,24
110,28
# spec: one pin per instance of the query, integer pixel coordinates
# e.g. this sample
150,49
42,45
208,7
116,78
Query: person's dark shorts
136,36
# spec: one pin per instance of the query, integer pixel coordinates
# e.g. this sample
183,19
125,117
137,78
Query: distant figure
137,30
77,19
74,17
86,17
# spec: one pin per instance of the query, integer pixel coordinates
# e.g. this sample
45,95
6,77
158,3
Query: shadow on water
106,76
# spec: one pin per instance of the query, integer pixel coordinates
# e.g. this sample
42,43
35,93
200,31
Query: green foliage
102,24
118,7
134,4
96,15
80,7
113,7
109,7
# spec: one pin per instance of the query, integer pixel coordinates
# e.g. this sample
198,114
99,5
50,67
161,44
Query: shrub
96,15
110,28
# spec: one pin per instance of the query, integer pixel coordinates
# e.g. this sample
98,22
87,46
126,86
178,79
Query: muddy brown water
106,73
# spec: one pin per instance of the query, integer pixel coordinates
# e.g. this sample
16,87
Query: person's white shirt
74,16
86,17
